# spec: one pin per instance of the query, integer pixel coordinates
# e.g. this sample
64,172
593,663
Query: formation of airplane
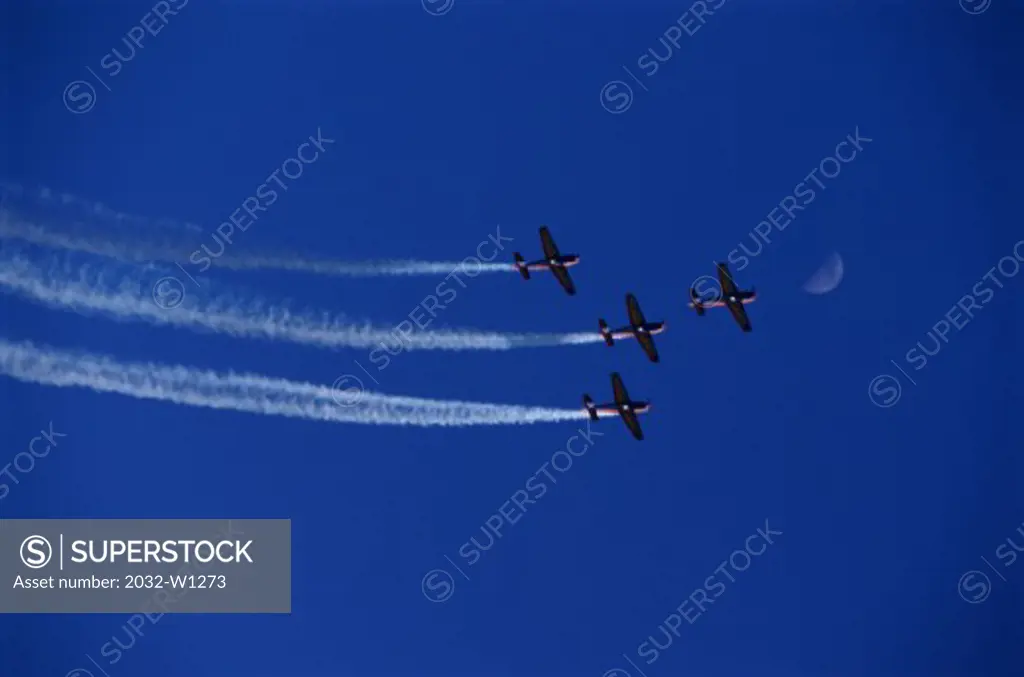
730,296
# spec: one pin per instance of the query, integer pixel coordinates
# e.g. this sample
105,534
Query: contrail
396,268
111,292
146,246
253,393
13,227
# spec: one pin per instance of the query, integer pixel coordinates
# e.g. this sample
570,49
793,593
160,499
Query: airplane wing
725,280
740,315
629,418
636,316
619,389
562,275
548,243
647,343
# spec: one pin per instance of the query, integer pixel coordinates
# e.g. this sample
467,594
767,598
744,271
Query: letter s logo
438,585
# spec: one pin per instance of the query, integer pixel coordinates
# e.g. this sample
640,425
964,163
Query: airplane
553,261
623,406
639,327
731,298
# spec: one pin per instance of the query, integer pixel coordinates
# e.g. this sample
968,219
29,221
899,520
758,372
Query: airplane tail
607,335
588,404
521,266
697,304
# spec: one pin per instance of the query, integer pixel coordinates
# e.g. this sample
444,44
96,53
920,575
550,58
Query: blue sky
447,126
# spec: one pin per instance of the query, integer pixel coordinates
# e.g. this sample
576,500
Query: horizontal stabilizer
521,266
697,303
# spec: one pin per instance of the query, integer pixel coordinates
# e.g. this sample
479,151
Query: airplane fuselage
742,298
624,408
634,407
651,328
564,261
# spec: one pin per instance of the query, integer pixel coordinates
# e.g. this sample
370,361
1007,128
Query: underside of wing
647,343
636,316
562,275
725,280
548,243
740,314
629,418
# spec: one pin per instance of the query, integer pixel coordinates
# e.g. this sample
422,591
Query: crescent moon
826,278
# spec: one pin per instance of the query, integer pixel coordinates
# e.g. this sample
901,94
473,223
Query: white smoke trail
253,393
13,227
88,291
142,245
396,268
79,207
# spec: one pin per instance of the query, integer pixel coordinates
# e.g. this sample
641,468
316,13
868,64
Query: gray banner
145,566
